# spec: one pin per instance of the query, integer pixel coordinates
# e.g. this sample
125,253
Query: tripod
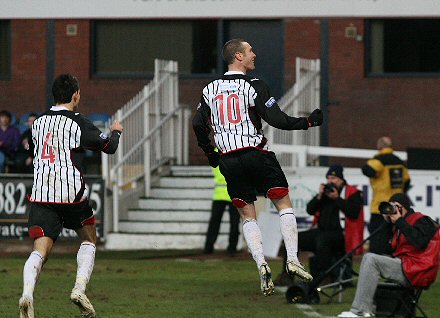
309,293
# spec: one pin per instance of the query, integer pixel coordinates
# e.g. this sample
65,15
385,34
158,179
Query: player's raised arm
268,109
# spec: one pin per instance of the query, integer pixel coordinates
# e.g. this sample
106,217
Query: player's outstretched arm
269,110
92,138
275,117
116,131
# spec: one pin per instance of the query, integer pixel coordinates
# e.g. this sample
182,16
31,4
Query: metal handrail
145,138
141,148
302,151
299,100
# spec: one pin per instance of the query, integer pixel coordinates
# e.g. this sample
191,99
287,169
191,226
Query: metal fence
155,134
299,101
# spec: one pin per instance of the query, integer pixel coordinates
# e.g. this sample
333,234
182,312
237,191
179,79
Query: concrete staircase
176,216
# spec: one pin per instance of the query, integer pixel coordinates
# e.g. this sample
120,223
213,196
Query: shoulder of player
75,116
257,83
78,118
211,82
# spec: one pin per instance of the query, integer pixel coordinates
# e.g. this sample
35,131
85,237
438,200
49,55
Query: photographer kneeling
416,246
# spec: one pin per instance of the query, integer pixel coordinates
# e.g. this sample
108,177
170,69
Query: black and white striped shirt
58,134
233,106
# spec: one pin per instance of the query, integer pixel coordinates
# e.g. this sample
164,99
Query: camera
329,187
388,208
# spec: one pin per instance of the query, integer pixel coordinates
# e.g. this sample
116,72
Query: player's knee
277,192
239,203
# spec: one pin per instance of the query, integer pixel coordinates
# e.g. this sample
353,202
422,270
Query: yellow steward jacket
220,190
388,175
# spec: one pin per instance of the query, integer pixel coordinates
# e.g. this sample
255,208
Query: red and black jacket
326,212
416,242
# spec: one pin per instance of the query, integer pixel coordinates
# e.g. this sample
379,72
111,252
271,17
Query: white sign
270,229
304,184
216,8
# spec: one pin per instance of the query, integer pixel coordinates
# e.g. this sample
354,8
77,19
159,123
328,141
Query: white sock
86,261
31,272
290,233
252,235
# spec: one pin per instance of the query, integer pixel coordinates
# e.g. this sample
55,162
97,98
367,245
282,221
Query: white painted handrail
299,101
155,133
302,151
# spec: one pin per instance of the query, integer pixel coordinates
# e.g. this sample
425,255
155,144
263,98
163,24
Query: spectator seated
9,139
23,124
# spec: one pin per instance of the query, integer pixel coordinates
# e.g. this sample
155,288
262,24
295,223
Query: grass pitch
165,284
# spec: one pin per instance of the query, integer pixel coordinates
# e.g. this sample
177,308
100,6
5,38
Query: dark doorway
266,38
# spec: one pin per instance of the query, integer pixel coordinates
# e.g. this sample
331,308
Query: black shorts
250,171
48,219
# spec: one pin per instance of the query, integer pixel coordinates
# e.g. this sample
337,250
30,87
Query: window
5,49
399,46
128,48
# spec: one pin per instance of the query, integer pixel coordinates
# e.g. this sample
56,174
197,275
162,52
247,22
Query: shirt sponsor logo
270,102
229,86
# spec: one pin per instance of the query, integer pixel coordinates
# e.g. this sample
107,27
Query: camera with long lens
388,208
329,187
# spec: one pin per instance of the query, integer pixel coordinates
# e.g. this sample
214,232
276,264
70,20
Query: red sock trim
277,193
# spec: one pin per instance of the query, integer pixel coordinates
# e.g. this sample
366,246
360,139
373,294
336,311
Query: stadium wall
361,107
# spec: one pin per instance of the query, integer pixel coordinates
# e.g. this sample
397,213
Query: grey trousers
374,266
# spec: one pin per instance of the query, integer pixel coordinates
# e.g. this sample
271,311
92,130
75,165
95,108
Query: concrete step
187,182
130,241
196,216
170,227
174,204
175,216
182,193
191,171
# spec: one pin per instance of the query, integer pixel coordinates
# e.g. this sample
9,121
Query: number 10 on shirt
232,107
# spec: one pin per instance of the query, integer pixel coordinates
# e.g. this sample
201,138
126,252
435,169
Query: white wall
425,190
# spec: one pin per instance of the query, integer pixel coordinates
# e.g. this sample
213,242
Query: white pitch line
309,311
